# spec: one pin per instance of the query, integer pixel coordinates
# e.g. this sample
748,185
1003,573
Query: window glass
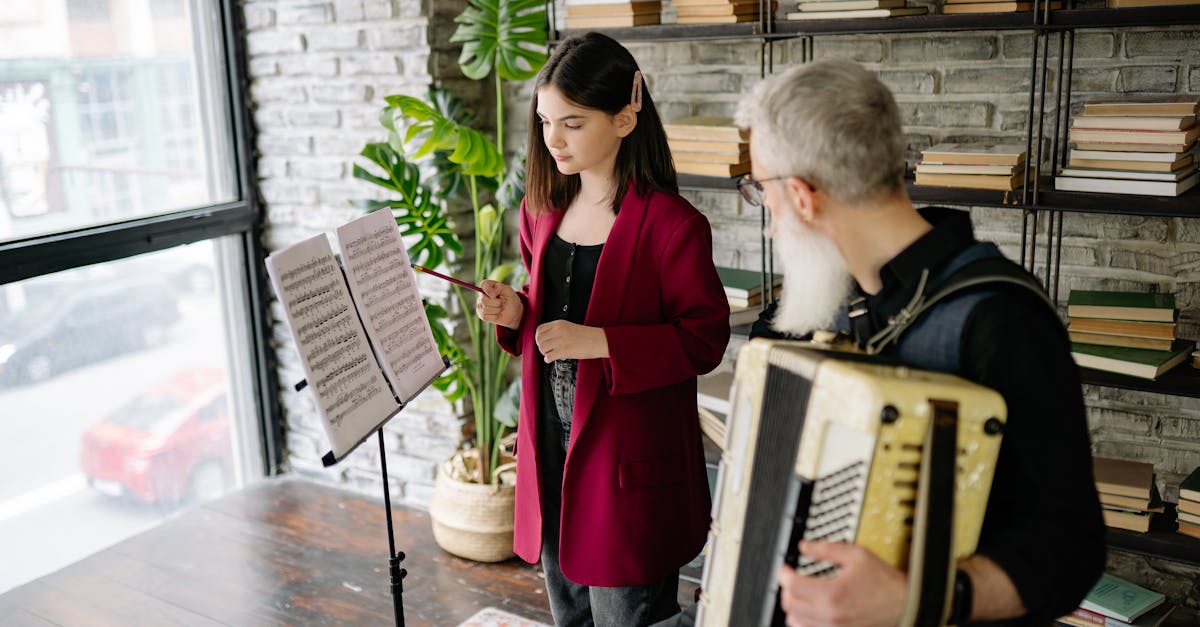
109,110
123,401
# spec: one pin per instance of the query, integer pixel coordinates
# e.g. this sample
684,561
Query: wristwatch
960,604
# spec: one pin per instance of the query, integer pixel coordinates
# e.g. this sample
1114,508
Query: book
719,9
1131,147
1189,506
712,390
690,145
1087,618
739,316
978,154
1138,166
1189,488
1123,477
1121,305
973,181
1171,105
993,7
849,5
1126,4
611,21
1111,155
844,15
1152,504
1134,122
1189,518
1135,362
1128,174
753,300
706,128
710,157
1169,138
741,283
716,19
1124,186
1130,521
365,345
712,169
1120,599
1084,337
622,8
1131,328
954,168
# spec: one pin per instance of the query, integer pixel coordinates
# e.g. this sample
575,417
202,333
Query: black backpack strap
982,272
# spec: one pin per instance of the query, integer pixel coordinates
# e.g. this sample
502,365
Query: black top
570,272
1043,525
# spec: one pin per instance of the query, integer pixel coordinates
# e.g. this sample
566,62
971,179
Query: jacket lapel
543,227
608,294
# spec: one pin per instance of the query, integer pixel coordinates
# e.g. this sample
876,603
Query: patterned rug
492,617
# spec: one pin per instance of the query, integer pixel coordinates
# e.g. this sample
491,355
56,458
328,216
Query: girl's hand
499,304
566,340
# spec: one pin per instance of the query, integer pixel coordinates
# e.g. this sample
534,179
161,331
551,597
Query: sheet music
385,288
351,393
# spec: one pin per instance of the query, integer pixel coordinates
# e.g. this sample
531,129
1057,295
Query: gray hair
832,123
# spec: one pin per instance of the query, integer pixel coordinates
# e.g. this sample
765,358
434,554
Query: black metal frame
44,254
1031,199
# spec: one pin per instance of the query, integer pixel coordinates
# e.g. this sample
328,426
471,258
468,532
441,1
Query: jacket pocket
656,472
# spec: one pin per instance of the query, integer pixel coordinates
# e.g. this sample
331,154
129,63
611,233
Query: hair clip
635,100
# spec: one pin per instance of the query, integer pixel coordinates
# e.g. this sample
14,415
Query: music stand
396,573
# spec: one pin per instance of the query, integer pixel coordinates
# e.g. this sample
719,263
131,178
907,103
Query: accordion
836,446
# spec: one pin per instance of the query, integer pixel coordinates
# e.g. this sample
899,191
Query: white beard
815,279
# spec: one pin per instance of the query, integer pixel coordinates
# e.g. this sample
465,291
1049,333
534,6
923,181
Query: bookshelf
1050,29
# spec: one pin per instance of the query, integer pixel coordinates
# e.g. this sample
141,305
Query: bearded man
827,154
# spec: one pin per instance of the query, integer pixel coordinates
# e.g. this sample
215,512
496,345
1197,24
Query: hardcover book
1135,362
980,154
1121,305
1134,122
706,128
1120,599
1129,328
1123,477
1121,186
843,15
1189,488
740,283
1170,106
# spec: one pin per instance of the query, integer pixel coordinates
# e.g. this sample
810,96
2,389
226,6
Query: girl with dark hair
623,310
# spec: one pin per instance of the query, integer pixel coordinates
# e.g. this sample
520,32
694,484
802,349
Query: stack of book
717,11
1128,493
708,145
1130,333
990,6
609,14
744,289
1138,147
712,404
977,166
848,9
1116,602
1189,504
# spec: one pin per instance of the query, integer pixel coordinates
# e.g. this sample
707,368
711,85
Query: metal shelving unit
1044,25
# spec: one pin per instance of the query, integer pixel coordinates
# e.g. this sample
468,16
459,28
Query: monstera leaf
429,130
508,35
453,384
416,212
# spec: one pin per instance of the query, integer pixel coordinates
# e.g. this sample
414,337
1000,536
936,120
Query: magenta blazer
635,492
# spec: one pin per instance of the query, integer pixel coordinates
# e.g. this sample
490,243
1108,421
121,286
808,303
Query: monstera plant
502,40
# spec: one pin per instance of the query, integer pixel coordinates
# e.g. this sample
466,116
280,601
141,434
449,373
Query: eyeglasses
752,190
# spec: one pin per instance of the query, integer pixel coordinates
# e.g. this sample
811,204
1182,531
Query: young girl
622,311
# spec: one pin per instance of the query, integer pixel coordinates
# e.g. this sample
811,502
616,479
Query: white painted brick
335,38
308,65
272,42
318,13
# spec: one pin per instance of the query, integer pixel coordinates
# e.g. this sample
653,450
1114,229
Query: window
133,380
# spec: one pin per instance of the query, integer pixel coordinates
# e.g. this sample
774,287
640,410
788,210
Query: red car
170,445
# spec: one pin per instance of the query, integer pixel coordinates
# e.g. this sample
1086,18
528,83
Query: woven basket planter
472,520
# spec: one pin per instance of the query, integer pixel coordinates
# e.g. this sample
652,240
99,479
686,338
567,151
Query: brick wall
319,71
961,86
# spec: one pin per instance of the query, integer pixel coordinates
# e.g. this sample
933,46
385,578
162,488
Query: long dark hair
594,71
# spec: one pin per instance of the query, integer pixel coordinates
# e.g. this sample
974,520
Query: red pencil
447,278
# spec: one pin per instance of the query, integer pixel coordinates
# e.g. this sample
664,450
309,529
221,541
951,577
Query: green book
1120,599
1135,362
743,283
1145,306
1189,488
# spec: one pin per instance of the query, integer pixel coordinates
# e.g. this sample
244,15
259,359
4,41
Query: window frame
34,256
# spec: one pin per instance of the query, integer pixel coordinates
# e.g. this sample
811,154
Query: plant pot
473,520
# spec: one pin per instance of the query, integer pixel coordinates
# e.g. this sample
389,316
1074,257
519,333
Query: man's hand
865,591
499,304
566,340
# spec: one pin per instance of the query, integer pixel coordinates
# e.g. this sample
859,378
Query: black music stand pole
394,557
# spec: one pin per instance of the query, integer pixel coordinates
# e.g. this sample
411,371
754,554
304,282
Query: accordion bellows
829,445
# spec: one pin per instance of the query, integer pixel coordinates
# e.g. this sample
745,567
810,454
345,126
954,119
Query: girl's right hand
499,304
